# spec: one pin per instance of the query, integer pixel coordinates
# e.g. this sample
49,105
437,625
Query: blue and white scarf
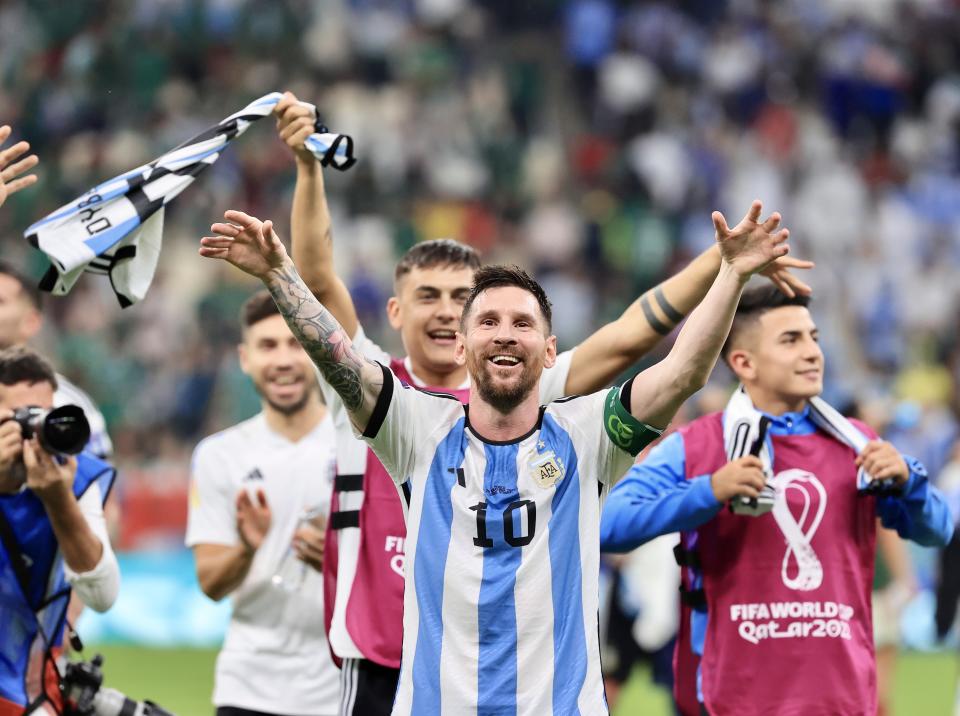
744,433
116,227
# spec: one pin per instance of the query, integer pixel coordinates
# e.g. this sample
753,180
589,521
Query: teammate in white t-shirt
503,525
251,484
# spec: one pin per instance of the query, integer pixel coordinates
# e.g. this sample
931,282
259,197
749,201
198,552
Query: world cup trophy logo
801,569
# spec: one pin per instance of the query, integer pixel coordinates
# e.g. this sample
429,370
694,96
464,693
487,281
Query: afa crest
547,470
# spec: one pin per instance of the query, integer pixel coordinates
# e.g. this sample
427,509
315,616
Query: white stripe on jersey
534,607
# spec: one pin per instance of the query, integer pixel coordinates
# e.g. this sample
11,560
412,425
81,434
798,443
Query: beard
286,409
502,398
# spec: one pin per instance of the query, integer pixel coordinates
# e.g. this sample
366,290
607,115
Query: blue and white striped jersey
501,592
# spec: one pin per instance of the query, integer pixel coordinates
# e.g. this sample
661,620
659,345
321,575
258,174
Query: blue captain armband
624,430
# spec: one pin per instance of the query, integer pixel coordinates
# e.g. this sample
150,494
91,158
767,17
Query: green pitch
181,680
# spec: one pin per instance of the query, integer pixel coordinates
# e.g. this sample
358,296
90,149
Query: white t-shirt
352,460
275,656
502,555
98,587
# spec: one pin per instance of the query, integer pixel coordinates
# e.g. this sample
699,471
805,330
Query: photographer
54,538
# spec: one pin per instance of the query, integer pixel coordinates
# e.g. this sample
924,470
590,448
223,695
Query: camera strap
18,560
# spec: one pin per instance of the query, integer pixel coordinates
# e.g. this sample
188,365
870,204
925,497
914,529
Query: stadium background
588,140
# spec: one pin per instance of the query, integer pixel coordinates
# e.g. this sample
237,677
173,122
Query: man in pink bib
776,590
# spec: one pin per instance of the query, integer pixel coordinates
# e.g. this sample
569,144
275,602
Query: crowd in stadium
593,158
587,141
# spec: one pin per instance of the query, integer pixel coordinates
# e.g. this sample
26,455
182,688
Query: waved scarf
115,228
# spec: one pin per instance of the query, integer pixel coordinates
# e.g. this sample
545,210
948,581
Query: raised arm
748,248
621,343
311,235
252,246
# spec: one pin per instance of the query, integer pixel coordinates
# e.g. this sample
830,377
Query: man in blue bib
54,540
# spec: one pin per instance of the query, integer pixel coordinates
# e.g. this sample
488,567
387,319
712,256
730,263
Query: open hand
295,122
10,168
780,275
246,242
752,245
253,519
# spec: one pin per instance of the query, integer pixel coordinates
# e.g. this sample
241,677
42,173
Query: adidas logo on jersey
254,474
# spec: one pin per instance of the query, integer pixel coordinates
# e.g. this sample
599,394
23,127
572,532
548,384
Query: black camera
85,694
62,431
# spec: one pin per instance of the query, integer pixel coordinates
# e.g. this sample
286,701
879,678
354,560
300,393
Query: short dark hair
20,364
437,252
256,308
489,277
754,303
27,285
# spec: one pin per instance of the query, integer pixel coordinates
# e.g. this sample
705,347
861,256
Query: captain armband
622,428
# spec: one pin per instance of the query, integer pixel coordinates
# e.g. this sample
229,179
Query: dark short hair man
54,538
777,610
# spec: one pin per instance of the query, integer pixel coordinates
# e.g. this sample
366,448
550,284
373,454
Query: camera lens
64,430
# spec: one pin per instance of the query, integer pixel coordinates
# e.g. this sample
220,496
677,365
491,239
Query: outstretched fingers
795,285
779,239
22,183
241,219
19,167
15,152
720,224
217,242
753,213
793,262
222,229
268,236
771,223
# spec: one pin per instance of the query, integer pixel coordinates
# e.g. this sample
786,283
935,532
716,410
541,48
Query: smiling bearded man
501,593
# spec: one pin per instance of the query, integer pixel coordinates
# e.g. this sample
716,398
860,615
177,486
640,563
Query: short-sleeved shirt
275,656
500,605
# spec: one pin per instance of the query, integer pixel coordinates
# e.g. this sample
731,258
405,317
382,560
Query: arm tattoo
320,335
655,323
668,310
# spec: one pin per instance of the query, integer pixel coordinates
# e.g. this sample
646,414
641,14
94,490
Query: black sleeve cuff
383,404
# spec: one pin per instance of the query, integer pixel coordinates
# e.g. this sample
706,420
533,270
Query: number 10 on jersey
510,535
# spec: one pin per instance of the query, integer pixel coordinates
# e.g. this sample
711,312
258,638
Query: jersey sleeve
402,422
553,382
212,513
